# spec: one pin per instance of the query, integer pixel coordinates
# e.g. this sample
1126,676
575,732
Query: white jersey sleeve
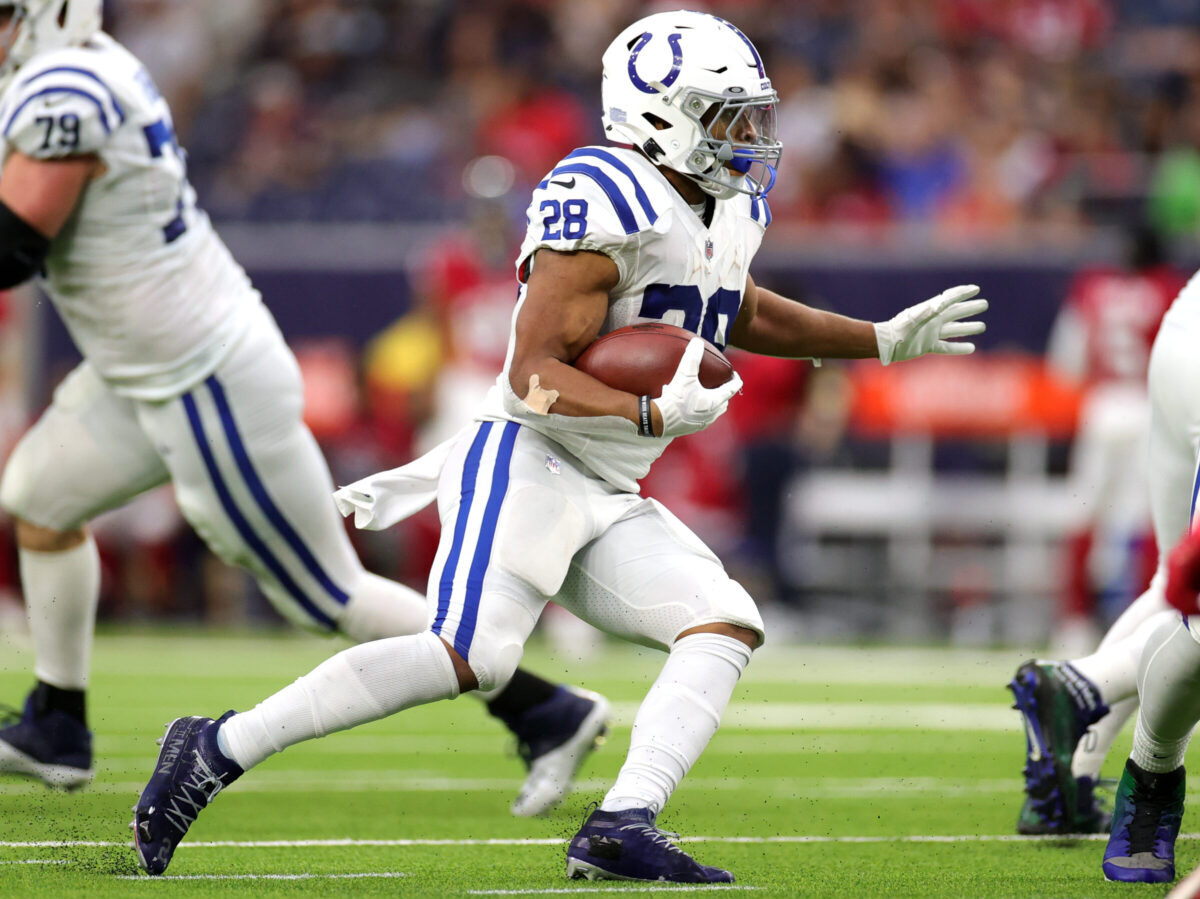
592,200
62,110
147,290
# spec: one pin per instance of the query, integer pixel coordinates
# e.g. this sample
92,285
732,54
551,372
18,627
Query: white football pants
523,523
247,473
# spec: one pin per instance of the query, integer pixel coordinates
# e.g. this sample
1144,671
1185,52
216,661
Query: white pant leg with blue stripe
524,522
251,480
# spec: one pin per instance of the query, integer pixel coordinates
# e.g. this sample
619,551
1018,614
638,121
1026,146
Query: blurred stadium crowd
993,124
978,118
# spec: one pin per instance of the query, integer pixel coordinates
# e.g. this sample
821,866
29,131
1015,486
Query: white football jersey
672,268
1185,311
149,293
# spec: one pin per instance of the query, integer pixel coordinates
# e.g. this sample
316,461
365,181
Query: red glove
1183,574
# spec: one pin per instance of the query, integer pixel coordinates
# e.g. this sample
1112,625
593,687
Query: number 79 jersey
672,269
149,293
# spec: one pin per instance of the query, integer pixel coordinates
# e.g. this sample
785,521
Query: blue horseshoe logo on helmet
676,63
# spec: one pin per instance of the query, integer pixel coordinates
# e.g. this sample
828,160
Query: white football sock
360,684
380,608
1169,690
1094,746
62,590
1113,668
677,718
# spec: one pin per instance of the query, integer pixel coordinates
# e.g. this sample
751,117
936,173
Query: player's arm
776,326
36,199
566,301
773,325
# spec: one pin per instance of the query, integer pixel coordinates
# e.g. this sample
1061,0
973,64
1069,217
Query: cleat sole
56,777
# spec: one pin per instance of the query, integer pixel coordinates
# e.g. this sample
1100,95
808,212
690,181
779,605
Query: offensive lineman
538,498
186,378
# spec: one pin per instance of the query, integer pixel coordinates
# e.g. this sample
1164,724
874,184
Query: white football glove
930,327
686,405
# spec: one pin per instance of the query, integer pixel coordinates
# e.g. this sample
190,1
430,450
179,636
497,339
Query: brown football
642,359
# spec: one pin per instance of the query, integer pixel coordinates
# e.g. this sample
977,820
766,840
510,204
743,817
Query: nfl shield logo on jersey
708,251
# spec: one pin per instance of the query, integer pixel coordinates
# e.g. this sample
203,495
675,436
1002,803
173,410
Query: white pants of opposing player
523,523
247,473
1174,481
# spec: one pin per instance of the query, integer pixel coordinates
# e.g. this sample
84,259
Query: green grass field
838,772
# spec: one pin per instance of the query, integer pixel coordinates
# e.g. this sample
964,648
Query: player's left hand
1183,574
932,326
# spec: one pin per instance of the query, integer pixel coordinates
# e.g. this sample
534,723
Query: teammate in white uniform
538,498
1150,654
186,378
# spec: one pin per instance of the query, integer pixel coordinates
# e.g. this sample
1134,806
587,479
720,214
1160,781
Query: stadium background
369,163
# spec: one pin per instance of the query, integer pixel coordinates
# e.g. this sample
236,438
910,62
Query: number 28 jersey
150,294
672,269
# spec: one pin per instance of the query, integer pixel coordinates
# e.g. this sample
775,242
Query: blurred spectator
1101,340
976,120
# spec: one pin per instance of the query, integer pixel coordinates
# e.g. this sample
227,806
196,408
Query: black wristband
22,249
645,423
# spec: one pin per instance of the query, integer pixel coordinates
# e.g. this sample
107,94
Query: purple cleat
1058,705
553,739
1146,820
626,845
189,773
47,744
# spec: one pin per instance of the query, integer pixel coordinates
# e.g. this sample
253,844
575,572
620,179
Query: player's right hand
686,405
1183,574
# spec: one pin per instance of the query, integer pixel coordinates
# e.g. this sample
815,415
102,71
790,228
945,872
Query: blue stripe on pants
250,538
1195,491
487,535
466,495
259,491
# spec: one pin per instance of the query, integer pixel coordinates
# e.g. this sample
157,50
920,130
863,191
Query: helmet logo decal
676,63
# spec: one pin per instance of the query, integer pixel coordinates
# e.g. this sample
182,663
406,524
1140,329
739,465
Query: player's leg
650,580
252,481
85,455
483,619
1110,673
1149,807
1150,795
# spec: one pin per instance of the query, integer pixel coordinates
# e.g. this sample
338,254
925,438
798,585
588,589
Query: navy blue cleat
1092,815
48,744
189,773
626,845
1058,705
553,739
1146,820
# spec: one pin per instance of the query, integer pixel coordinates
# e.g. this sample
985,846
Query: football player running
539,497
1074,710
186,379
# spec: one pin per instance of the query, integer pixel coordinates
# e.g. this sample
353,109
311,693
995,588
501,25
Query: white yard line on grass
556,841
35,861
